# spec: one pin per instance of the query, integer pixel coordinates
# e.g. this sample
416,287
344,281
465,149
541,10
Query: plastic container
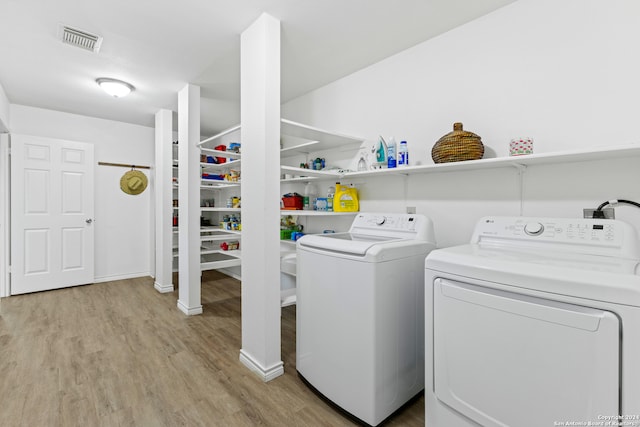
310,191
285,234
292,202
346,199
521,146
230,246
392,155
331,191
403,154
221,148
322,204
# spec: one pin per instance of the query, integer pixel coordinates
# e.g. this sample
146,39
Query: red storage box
221,148
292,202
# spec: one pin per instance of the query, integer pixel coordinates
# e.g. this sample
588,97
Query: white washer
535,323
360,313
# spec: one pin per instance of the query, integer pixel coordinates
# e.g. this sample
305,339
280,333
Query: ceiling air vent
79,38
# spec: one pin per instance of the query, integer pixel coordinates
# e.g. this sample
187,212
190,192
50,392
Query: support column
260,119
4,212
163,201
189,280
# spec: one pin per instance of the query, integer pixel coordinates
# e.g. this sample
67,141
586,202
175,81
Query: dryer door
506,359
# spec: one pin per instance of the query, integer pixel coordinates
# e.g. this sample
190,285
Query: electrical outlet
608,213
411,209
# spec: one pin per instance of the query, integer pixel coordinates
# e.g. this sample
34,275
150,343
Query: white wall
561,72
122,221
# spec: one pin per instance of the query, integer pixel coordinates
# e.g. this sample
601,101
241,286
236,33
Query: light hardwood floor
122,354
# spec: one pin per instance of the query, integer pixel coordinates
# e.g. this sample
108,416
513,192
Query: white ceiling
160,45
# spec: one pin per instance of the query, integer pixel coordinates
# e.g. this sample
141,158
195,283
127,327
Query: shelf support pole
260,118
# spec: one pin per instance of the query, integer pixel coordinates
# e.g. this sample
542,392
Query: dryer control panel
590,236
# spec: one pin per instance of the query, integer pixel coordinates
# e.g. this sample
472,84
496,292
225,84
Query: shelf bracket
521,170
520,167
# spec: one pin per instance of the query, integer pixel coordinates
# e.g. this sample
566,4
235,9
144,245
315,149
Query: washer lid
350,243
600,278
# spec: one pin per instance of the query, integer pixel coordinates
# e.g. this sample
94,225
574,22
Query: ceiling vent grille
79,38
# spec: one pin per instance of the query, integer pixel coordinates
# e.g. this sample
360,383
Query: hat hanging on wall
133,182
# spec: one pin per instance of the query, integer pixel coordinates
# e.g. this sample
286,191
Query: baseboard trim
267,374
120,277
230,273
189,311
163,289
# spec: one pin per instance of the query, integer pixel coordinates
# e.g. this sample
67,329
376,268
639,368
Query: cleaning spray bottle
392,153
345,199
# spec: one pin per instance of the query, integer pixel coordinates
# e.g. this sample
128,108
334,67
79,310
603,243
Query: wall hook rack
122,165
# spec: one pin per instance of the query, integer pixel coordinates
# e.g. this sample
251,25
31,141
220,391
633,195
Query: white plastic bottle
331,191
310,194
403,154
392,153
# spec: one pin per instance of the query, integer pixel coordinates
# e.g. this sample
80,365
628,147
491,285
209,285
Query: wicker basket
457,146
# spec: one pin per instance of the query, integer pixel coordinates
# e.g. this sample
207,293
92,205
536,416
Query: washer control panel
533,228
403,226
593,235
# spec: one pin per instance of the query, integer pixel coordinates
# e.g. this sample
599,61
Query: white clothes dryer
360,313
535,323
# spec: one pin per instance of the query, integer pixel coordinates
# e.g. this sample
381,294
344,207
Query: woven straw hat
133,182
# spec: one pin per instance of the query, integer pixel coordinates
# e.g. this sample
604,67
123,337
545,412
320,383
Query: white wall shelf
287,297
307,139
216,184
216,259
297,138
221,236
220,167
204,209
314,213
231,164
302,173
219,135
299,179
508,162
212,258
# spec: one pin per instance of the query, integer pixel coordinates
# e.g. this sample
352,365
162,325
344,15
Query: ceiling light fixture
114,87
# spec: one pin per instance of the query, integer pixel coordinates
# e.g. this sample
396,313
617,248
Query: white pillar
163,185
4,212
260,119
189,200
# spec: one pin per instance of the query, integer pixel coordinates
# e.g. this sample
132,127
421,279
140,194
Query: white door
52,241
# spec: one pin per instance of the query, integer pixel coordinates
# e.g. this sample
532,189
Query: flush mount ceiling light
114,87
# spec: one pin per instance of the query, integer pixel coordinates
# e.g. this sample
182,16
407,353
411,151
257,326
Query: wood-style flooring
122,354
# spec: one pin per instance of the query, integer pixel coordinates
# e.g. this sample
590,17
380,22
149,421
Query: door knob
88,221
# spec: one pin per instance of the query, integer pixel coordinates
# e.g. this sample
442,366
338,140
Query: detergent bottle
345,199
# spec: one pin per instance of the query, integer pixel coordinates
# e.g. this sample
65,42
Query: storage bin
221,148
292,202
285,234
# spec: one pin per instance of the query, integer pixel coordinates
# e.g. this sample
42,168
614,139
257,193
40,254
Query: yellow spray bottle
345,199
